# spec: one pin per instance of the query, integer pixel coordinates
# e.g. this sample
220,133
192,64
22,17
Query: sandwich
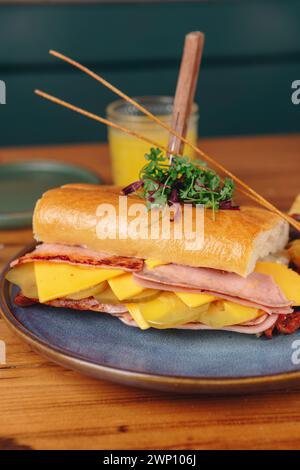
238,281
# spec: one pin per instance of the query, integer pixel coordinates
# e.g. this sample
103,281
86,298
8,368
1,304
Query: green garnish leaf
183,181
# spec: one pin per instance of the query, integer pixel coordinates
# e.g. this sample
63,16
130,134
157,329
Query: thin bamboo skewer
249,191
95,117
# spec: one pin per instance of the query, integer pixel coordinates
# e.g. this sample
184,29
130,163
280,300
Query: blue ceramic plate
187,361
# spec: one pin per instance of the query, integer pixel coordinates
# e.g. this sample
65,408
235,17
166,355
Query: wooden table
43,406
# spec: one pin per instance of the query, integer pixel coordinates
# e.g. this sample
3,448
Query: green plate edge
17,220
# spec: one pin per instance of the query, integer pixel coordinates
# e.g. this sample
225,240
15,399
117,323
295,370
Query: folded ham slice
262,324
248,303
84,304
79,255
256,290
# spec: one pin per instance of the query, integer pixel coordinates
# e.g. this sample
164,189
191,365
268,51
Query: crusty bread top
233,242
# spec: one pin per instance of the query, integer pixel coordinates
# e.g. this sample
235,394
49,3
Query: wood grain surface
43,406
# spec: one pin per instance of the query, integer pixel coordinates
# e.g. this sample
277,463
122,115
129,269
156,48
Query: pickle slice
91,292
225,313
23,276
167,311
145,296
108,297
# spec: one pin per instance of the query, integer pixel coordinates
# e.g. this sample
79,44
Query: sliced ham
247,303
89,304
84,304
79,255
258,289
254,329
256,321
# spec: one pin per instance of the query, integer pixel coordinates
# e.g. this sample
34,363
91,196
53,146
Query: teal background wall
252,55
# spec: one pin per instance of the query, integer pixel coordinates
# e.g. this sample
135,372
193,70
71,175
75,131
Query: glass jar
127,152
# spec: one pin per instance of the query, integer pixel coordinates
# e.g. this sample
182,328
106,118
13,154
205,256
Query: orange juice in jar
127,152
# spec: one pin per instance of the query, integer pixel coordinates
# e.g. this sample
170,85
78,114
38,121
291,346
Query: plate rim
216,385
22,219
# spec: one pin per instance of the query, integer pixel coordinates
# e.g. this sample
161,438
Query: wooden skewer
95,117
185,90
247,190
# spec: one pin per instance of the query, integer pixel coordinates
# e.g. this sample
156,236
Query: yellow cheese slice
23,276
124,287
56,280
287,279
225,313
152,263
137,316
195,300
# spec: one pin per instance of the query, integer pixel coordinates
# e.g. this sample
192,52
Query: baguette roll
233,242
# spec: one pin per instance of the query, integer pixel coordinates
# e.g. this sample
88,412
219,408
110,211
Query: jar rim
131,114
